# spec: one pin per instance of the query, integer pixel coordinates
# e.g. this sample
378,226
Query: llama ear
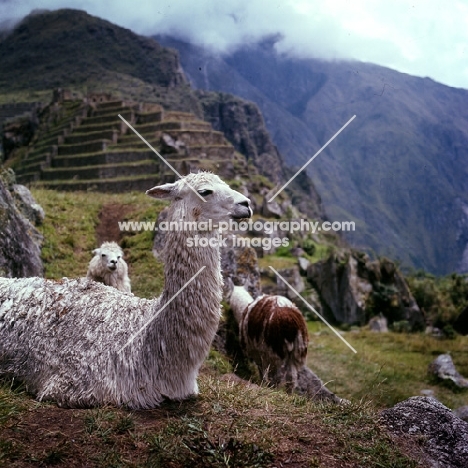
96,251
161,191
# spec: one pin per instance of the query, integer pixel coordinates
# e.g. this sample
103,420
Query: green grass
387,368
69,235
229,424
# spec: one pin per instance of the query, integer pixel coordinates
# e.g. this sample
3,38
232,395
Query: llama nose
246,204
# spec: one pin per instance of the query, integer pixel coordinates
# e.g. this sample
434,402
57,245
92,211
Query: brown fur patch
196,212
276,325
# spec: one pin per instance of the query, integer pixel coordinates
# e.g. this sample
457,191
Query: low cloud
423,38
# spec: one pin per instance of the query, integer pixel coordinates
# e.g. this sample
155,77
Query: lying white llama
66,340
108,267
273,333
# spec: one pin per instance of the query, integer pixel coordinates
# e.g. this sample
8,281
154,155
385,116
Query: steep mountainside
399,170
89,56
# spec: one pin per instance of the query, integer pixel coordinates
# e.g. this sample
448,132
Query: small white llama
82,344
108,267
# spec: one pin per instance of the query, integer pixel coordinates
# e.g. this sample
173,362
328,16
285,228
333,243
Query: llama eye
103,255
205,193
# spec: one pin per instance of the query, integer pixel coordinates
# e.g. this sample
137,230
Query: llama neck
183,330
182,261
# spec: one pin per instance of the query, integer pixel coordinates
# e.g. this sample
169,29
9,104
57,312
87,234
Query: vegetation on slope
229,424
69,48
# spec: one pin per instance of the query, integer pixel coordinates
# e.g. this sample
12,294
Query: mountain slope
71,49
399,170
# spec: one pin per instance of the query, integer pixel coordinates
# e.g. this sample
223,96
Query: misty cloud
423,38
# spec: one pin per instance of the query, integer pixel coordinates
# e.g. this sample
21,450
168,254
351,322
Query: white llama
108,267
82,344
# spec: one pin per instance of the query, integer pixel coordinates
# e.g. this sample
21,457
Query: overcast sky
420,37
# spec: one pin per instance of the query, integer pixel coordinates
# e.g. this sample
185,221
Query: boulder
311,386
442,435
240,267
271,209
303,264
378,324
462,412
443,368
20,241
353,288
27,204
342,291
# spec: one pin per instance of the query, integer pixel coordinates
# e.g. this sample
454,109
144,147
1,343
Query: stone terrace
82,146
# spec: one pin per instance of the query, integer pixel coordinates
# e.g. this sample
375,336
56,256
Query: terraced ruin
83,145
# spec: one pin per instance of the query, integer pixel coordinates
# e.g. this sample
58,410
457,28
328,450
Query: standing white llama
66,340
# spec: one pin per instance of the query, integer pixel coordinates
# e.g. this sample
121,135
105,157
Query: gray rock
293,277
240,268
311,386
443,368
20,252
273,209
378,324
27,204
462,412
343,293
444,436
346,281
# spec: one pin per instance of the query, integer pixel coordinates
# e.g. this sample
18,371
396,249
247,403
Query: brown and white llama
273,334
82,344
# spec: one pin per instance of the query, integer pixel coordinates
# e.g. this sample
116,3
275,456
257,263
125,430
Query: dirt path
108,227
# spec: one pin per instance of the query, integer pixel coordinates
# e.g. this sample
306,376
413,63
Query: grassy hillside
229,424
72,231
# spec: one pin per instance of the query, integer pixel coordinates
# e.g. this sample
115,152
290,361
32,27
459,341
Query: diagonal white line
162,308
162,159
312,158
313,310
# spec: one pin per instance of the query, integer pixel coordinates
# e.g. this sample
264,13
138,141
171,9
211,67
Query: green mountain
399,170
71,48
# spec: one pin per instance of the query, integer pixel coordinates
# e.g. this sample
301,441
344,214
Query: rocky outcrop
444,369
353,289
343,292
243,125
20,253
27,205
444,436
240,268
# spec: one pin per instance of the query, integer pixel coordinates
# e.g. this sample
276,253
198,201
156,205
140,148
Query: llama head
110,255
217,201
